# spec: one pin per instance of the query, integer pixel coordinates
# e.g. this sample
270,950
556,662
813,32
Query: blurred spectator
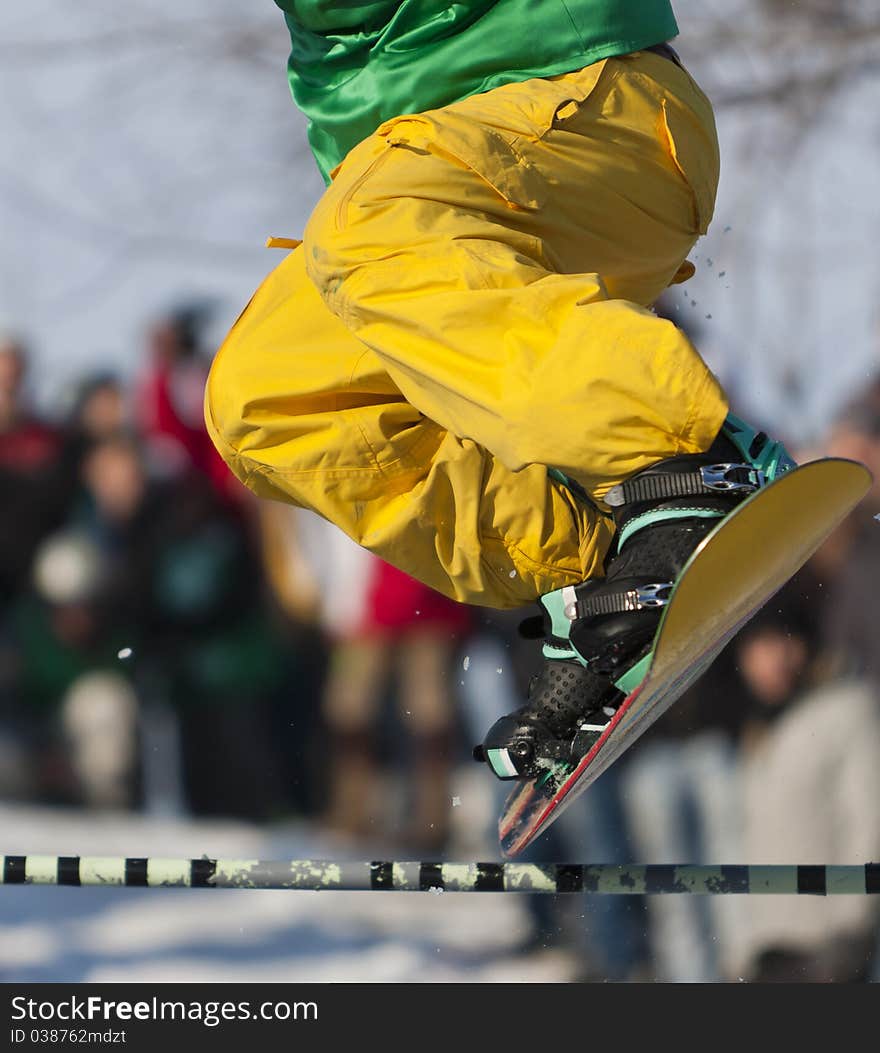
163,571
99,715
61,653
121,513
29,451
851,560
25,441
172,577
214,650
170,401
184,581
810,786
98,410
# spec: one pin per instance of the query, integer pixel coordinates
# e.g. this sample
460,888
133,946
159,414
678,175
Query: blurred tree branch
779,53
758,52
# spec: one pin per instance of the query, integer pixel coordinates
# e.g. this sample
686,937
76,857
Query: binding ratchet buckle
641,598
656,595
732,477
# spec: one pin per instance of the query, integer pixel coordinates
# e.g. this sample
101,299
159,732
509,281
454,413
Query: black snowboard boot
598,635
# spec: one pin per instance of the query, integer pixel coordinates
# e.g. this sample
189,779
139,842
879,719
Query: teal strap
663,515
762,452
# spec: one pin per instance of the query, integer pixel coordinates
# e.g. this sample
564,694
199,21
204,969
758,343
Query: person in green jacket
459,365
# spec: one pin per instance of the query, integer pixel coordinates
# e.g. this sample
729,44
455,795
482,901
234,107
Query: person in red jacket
168,403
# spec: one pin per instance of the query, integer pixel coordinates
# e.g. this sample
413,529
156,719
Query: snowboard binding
598,635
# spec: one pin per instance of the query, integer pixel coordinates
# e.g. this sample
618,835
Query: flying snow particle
465,665
126,652
499,670
456,802
512,574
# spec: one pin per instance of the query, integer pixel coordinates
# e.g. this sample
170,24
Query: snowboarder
459,365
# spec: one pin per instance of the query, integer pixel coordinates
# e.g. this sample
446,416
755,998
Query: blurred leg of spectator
16,767
230,765
677,794
595,830
17,778
99,717
424,663
161,751
712,761
353,693
487,689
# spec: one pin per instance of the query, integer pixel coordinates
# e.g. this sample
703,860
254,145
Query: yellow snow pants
470,308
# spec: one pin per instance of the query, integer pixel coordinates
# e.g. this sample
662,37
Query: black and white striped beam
318,875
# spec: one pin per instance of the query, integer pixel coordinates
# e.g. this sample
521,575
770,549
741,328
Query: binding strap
639,598
708,479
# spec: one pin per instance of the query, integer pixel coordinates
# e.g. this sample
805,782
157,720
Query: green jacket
354,65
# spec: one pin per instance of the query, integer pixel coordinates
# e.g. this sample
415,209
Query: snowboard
748,557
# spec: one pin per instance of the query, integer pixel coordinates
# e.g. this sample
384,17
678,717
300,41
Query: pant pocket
693,151
576,91
472,145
